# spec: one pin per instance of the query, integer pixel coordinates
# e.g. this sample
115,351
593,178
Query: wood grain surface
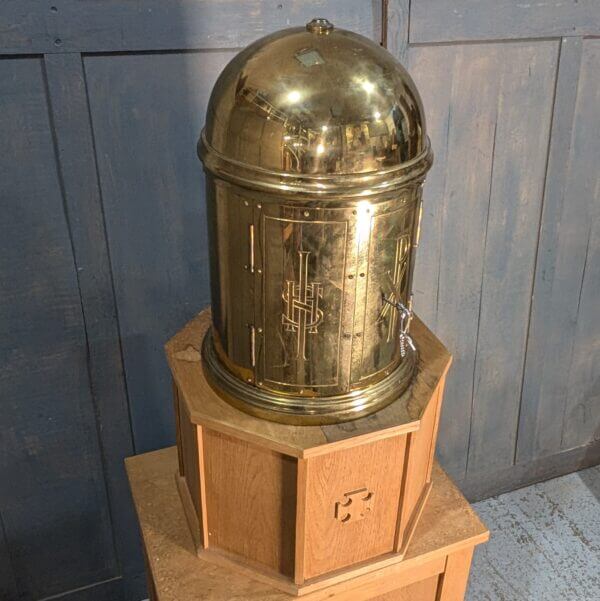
140,25
332,544
53,493
464,20
251,501
449,525
477,290
426,590
191,465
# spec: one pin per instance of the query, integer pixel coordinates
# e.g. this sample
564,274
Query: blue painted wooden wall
103,247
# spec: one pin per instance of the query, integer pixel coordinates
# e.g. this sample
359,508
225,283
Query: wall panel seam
537,248
108,257
483,268
93,391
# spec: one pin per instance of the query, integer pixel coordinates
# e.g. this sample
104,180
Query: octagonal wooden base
303,507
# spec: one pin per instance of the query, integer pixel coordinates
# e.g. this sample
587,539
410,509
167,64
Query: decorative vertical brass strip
251,242
202,482
363,261
418,214
300,546
384,23
419,218
252,345
257,294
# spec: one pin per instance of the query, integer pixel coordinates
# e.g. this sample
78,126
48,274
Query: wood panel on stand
453,582
448,528
326,503
417,475
190,458
251,501
419,591
375,468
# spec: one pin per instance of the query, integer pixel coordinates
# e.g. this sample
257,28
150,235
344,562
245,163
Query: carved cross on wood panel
356,506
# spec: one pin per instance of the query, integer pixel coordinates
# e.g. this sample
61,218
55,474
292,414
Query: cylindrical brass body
315,152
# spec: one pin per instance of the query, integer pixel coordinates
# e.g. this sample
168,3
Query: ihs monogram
302,313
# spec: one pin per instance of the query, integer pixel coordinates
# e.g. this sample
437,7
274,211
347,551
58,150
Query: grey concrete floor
545,542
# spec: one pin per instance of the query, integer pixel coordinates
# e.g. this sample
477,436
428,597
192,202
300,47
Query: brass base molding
305,411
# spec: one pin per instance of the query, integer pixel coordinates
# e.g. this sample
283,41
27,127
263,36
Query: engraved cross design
400,266
301,298
356,506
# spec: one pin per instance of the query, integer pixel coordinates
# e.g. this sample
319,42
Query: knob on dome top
319,25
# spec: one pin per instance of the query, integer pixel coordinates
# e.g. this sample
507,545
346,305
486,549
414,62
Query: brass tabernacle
315,153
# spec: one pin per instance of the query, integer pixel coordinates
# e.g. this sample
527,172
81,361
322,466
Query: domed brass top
315,109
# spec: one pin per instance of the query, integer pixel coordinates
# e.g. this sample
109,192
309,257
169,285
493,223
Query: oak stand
435,567
302,508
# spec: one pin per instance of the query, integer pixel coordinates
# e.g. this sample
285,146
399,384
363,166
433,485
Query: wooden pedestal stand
435,567
303,508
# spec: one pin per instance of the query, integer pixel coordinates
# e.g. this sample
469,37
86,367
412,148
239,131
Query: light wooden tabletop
448,524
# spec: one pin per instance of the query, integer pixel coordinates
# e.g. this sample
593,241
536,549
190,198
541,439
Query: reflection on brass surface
315,152
299,410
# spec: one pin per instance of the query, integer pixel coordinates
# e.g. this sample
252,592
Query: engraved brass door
322,327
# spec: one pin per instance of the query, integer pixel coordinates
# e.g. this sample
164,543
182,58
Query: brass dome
315,110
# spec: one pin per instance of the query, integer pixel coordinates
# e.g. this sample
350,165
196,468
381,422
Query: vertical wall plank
527,76
468,102
432,76
558,274
490,107
582,412
152,185
77,164
8,584
397,26
50,462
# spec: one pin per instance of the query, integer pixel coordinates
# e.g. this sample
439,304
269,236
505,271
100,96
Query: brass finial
320,26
